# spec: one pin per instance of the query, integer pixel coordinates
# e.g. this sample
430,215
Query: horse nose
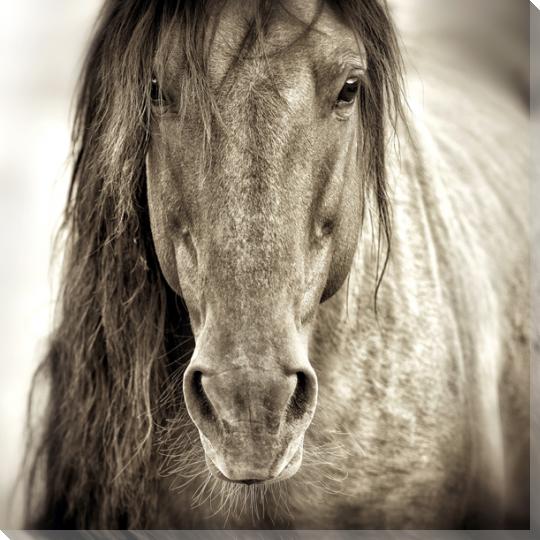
263,401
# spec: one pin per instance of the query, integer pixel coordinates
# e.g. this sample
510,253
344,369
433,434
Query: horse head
258,158
224,153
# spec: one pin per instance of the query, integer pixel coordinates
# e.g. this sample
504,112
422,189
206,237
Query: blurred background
42,44
41,48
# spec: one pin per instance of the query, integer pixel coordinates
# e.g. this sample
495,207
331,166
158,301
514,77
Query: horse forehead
286,26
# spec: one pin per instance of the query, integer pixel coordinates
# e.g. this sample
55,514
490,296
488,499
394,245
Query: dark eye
348,92
155,93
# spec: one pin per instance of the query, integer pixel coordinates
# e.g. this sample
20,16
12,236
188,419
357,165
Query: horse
295,288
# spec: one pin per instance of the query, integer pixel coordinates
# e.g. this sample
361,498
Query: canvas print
294,283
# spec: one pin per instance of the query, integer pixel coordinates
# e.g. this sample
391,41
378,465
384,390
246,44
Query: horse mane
122,336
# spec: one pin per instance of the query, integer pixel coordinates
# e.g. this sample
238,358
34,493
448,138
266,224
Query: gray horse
291,298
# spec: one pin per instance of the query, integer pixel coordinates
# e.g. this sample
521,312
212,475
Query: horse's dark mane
122,334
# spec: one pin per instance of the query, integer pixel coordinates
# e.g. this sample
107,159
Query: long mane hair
122,336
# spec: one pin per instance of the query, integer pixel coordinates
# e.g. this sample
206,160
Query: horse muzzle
246,471
251,420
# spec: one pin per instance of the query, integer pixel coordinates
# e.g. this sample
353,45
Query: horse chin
288,466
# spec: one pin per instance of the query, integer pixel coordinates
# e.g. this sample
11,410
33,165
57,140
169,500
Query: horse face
256,225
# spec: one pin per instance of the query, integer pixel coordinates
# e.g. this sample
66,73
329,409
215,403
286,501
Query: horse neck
420,247
383,337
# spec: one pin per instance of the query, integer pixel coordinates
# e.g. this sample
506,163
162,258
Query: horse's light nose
249,418
267,400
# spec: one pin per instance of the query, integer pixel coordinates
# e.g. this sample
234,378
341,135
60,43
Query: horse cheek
161,236
344,245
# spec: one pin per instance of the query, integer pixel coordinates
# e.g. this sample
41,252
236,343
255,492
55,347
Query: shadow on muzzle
251,420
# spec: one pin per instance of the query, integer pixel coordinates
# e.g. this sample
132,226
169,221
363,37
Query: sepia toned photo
267,267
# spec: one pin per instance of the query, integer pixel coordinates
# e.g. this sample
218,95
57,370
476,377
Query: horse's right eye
155,93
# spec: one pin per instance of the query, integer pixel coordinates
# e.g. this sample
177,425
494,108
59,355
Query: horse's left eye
348,92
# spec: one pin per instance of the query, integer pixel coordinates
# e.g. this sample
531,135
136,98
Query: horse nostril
205,407
299,401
